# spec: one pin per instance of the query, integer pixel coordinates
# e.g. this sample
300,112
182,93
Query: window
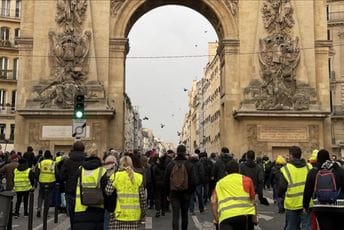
12,133
2,99
5,8
3,67
15,68
16,35
18,8
13,101
4,33
2,132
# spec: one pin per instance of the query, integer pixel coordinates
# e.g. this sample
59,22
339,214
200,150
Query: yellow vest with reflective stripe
128,198
22,180
296,178
233,200
58,159
47,171
90,179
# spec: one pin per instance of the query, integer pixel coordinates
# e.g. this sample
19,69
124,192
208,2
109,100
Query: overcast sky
156,85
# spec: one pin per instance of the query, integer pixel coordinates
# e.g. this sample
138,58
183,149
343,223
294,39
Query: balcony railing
7,74
336,16
8,13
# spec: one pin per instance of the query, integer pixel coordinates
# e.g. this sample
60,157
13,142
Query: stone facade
273,67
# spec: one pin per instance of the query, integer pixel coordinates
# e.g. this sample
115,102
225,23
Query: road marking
63,225
197,223
149,223
271,201
48,221
265,217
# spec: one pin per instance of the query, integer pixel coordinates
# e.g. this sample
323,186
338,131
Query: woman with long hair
130,205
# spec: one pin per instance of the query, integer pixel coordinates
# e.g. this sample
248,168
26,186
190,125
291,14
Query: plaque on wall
60,131
282,134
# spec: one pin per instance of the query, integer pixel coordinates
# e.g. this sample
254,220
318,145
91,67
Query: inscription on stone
284,134
60,131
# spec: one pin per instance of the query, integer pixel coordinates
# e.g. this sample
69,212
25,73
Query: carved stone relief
279,57
116,6
70,13
232,5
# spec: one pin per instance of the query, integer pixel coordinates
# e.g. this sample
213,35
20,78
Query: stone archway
274,80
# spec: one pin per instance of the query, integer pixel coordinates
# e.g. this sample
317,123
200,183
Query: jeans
106,219
180,205
198,193
298,220
70,204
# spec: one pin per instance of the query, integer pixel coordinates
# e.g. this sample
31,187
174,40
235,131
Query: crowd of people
115,191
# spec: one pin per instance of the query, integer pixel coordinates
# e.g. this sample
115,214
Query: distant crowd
115,191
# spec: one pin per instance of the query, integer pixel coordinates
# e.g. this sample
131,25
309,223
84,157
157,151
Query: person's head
232,167
250,155
213,155
194,156
280,160
58,154
323,156
110,162
181,150
22,161
224,150
295,152
14,157
170,153
265,158
40,152
29,149
334,157
125,162
197,151
48,155
79,146
313,158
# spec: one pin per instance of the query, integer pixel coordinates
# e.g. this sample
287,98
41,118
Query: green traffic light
79,114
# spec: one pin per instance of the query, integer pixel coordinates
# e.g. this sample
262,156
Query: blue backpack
325,189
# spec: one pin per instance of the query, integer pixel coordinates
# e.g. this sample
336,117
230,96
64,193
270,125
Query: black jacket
191,176
198,171
219,170
255,172
70,171
282,182
158,172
310,183
30,158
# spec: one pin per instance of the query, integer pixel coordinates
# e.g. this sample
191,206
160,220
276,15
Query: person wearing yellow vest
130,207
24,180
233,200
89,217
46,179
291,186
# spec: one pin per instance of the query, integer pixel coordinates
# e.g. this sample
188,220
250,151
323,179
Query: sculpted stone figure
116,6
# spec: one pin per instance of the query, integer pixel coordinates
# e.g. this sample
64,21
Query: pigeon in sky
145,118
185,89
162,125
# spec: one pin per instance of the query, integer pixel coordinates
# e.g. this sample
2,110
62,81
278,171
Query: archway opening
168,51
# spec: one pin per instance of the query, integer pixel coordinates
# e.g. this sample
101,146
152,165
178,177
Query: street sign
79,128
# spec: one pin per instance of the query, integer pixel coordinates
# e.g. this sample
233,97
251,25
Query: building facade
10,16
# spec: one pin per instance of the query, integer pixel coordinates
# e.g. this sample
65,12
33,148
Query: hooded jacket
282,182
219,170
70,171
255,172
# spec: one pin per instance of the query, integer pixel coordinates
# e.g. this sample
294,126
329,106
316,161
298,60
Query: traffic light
79,107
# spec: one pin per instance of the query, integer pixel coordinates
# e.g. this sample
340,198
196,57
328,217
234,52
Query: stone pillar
341,54
116,86
228,51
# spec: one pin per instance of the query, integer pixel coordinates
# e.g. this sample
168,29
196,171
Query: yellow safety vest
90,179
128,198
296,178
22,180
58,159
233,200
47,171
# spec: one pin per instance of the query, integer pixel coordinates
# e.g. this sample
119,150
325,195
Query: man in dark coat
219,171
256,173
180,199
29,156
69,174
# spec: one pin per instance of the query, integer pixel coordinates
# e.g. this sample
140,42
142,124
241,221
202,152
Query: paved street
268,219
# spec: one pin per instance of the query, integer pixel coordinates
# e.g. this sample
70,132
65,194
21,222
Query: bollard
30,220
9,223
46,207
56,199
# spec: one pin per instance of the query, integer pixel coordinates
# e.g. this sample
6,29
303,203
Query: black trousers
160,199
180,206
22,196
237,223
329,220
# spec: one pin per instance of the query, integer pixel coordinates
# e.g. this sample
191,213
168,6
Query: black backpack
325,188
